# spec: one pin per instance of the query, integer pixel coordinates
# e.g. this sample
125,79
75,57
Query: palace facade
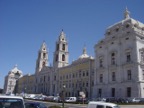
117,70
119,60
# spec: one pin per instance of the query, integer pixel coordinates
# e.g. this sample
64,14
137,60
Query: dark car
81,100
35,105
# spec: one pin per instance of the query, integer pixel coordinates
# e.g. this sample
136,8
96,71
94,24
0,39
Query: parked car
136,100
49,98
11,102
100,104
40,97
57,99
82,100
35,105
70,99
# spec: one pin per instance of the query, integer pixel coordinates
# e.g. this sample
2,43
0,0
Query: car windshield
11,103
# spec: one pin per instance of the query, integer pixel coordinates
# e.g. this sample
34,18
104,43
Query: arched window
63,47
44,55
63,57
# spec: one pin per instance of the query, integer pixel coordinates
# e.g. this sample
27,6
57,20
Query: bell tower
42,59
61,54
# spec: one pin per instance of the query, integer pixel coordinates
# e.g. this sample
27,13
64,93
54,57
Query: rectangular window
83,73
54,77
87,74
73,75
101,62
142,56
113,76
101,78
87,84
99,92
129,74
113,59
113,92
128,57
128,91
79,73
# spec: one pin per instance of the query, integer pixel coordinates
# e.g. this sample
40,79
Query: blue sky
25,24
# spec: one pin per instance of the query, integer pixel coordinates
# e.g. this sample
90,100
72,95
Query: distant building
11,80
26,84
119,60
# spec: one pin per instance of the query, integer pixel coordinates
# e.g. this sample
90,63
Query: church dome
84,55
15,71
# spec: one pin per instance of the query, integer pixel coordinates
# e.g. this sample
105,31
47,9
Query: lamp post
25,92
63,95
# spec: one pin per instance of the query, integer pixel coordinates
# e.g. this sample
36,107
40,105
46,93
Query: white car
100,104
136,100
70,99
11,102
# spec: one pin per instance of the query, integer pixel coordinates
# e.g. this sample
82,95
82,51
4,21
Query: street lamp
64,86
25,92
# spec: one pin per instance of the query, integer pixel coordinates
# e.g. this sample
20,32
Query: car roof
102,103
14,97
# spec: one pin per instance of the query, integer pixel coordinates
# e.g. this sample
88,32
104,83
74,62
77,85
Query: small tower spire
84,50
62,36
61,53
42,59
126,14
43,45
